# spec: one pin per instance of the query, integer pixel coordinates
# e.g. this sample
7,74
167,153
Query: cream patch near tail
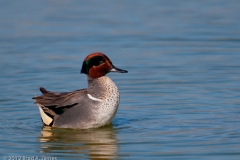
46,119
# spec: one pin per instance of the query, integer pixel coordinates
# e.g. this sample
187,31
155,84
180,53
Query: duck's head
98,64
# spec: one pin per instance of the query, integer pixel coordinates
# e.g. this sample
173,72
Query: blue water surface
180,99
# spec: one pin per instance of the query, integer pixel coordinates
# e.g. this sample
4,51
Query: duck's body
93,107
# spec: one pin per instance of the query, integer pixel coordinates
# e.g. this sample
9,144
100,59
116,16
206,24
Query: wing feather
56,100
54,104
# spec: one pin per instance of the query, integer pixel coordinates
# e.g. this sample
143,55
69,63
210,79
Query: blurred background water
179,100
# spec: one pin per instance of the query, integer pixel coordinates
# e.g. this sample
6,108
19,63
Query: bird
92,107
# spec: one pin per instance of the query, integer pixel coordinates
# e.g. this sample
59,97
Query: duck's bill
115,69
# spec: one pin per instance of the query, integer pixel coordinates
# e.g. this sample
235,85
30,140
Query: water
180,99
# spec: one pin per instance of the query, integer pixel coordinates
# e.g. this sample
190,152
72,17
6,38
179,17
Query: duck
92,107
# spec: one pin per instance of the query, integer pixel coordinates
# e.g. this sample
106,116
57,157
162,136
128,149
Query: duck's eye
101,61
95,61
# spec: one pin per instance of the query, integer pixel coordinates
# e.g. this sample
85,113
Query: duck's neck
99,87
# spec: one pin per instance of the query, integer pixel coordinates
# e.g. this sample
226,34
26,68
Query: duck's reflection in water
95,143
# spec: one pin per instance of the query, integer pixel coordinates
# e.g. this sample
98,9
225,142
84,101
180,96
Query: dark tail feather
43,90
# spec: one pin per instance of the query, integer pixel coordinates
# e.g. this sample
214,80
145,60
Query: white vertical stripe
93,98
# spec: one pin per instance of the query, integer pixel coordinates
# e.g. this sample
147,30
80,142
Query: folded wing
51,104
